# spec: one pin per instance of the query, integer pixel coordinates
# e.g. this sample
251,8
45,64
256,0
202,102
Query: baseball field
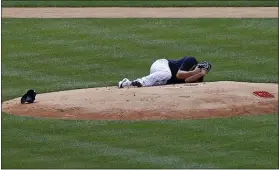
74,59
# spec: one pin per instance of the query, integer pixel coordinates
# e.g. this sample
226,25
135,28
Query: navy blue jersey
185,64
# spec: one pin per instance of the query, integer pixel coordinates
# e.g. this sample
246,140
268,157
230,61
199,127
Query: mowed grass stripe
132,3
214,143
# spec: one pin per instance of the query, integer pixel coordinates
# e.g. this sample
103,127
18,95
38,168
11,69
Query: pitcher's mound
199,100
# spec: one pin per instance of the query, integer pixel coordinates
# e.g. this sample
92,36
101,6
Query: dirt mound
183,101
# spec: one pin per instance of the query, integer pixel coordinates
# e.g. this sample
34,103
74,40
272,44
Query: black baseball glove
28,97
204,65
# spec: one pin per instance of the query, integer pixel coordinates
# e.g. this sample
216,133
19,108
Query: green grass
239,142
132,3
59,54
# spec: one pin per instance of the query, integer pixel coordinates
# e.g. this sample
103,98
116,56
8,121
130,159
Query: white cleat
124,83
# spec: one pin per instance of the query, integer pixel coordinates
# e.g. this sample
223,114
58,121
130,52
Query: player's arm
185,74
196,77
187,68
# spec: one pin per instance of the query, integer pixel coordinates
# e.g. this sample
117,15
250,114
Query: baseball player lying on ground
165,71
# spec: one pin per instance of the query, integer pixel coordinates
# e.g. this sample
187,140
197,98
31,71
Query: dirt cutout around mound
200,100
163,102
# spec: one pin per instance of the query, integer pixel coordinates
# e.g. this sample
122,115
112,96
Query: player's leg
160,73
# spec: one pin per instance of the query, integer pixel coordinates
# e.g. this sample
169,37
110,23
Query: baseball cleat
136,83
124,83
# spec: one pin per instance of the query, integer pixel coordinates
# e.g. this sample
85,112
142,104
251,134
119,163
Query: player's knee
166,75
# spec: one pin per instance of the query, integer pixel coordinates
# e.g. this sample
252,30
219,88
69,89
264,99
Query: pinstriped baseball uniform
163,71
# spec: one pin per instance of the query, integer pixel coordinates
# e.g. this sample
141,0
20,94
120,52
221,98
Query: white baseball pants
160,73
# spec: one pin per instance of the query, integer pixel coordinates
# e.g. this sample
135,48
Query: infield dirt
214,99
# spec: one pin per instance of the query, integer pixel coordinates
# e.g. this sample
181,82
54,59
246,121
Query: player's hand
197,70
204,71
